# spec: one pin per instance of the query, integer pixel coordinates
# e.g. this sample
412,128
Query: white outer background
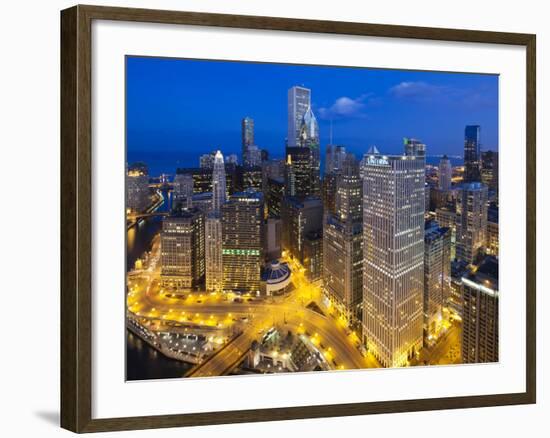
112,397
29,255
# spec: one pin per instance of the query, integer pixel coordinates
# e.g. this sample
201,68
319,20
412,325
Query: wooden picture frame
76,218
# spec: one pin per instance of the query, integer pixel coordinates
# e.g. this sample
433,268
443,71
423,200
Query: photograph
286,218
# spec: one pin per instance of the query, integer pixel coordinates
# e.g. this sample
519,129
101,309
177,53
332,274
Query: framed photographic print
268,218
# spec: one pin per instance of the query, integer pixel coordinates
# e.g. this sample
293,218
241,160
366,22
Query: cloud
416,90
422,92
346,107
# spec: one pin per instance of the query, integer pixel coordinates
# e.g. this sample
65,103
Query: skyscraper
313,255
253,157
309,138
334,158
437,276
349,191
492,244
414,147
213,252
232,175
328,192
343,266
329,159
247,137
251,178
274,195
300,218
480,313
243,242
182,249
218,183
202,178
343,243
206,161
299,100
472,224
232,159
182,196
309,130
472,164
137,188
300,173
445,173
302,166
274,235
489,169
393,254
455,300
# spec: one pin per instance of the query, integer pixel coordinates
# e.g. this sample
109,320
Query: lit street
255,315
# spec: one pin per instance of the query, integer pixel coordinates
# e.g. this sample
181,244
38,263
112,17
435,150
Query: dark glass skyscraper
472,154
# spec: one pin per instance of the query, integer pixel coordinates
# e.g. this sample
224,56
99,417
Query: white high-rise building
213,252
299,100
445,173
393,256
218,183
471,233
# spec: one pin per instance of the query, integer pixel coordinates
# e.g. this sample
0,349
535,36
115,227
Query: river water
142,361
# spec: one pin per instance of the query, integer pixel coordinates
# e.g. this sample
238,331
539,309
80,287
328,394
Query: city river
140,236
142,361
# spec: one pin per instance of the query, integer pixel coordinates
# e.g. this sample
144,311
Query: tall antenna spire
330,142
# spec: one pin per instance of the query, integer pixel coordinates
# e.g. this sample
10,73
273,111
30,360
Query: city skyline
172,102
253,263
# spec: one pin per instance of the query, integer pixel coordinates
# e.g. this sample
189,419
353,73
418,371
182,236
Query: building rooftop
432,230
458,268
373,150
184,213
301,203
276,272
486,274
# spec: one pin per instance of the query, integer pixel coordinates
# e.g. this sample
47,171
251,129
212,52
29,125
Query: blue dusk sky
178,109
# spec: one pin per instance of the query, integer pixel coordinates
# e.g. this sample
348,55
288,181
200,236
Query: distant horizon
162,162
181,107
